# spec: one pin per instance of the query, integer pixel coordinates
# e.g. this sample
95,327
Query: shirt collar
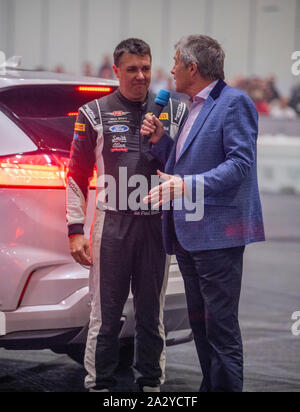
203,95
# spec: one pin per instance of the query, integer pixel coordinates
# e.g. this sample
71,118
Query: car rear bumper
71,312
47,325
176,319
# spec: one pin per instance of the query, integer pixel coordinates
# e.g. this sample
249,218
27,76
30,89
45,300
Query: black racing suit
126,239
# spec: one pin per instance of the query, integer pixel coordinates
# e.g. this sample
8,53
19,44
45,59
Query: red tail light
36,171
73,114
95,89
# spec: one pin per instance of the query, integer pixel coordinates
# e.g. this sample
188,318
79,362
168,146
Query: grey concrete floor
270,295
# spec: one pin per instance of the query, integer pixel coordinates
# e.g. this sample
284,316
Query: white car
44,296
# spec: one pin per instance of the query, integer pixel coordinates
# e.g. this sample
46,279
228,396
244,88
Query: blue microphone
161,100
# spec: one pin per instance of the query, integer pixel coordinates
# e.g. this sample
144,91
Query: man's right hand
151,125
80,249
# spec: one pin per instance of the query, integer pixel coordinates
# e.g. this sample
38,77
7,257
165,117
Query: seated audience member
261,104
281,109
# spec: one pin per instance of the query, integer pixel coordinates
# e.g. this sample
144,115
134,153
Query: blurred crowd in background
263,91
268,100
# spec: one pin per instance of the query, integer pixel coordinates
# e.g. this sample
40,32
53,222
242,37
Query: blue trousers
213,284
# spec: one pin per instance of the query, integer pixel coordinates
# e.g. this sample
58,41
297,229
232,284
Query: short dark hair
205,52
132,45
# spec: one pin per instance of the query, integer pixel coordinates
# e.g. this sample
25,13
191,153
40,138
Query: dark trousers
213,284
127,252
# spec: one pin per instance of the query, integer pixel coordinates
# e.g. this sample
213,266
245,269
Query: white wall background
258,36
3,25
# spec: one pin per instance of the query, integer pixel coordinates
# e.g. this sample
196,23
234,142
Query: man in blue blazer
212,159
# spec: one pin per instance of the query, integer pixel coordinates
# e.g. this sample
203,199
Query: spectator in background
105,70
295,99
87,69
239,82
272,92
59,68
281,109
159,81
262,106
267,98
262,91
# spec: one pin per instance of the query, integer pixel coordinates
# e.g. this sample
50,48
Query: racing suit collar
130,102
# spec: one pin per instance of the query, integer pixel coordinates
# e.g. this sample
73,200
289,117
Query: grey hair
205,52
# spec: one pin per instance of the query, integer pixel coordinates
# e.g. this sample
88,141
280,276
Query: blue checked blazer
221,150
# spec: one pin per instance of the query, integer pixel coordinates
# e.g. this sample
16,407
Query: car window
47,113
13,140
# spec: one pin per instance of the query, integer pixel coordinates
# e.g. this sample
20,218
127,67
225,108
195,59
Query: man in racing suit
126,241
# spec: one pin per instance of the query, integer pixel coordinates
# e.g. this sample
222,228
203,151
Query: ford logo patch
119,129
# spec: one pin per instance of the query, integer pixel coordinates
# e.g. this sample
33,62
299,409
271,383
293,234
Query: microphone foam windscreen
162,97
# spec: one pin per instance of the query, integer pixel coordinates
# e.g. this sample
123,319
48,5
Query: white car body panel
23,77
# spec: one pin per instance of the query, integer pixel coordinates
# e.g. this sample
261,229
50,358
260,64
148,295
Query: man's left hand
172,188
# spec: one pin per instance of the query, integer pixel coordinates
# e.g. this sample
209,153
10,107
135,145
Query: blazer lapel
169,167
208,106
